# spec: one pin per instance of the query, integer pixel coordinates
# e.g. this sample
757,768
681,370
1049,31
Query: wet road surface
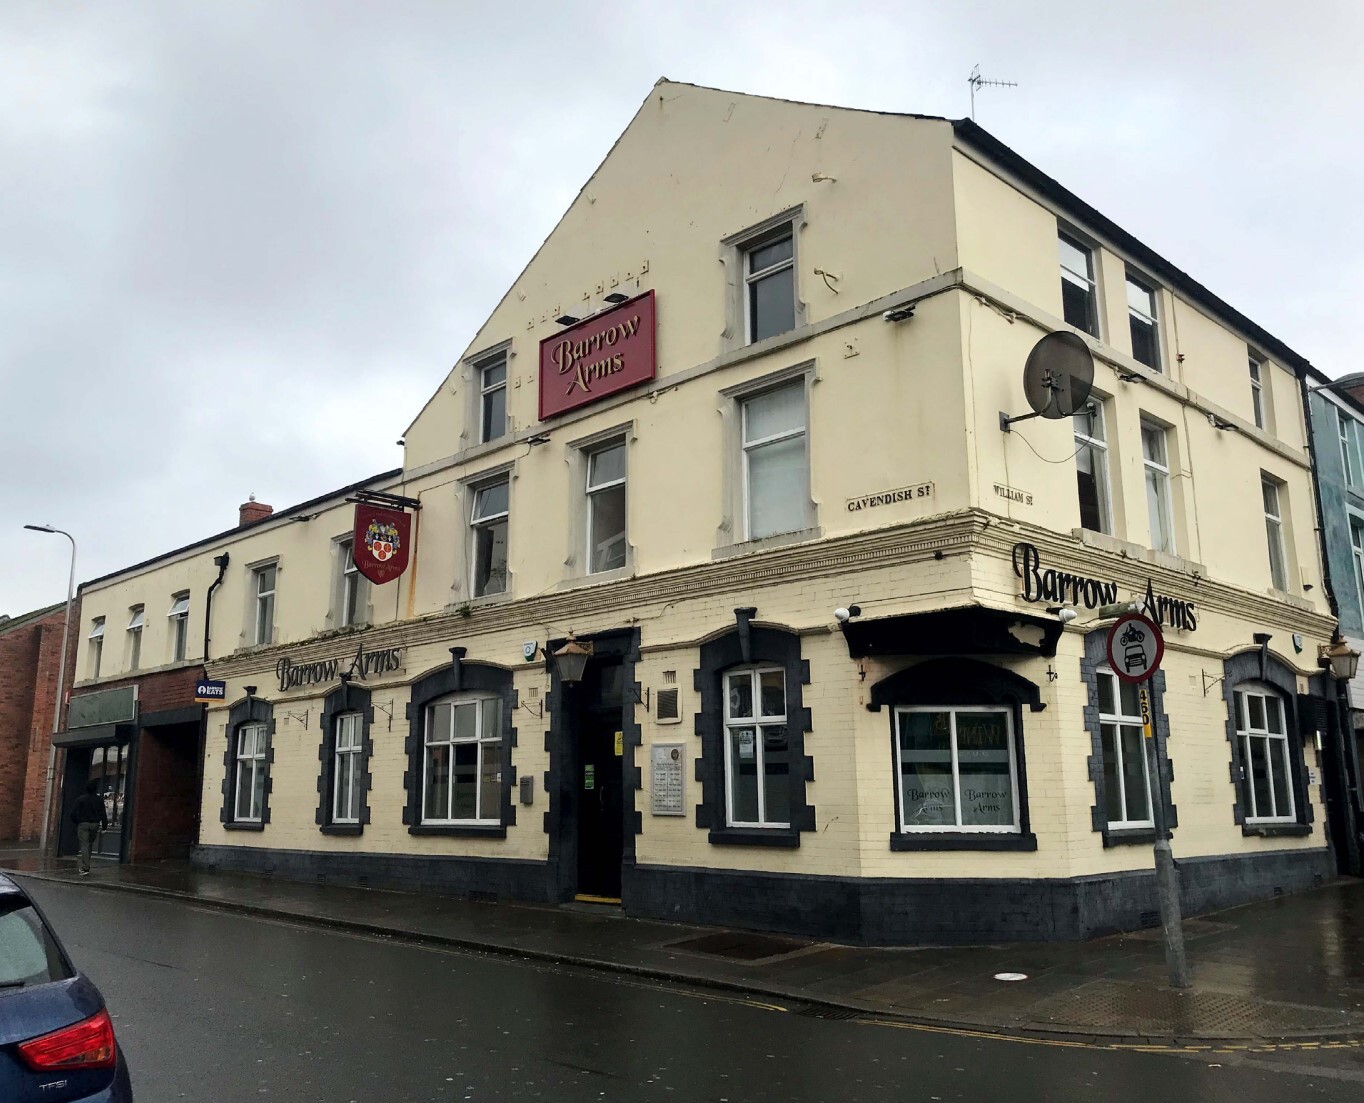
225,1008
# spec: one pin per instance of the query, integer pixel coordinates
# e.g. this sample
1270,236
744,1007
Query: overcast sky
240,243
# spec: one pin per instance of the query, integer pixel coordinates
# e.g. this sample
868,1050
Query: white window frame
247,767
348,748
748,447
1119,720
263,601
483,740
96,639
349,611
1101,444
1257,391
1152,319
1245,733
984,829
1356,523
593,490
481,368
137,619
477,521
1278,567
759,721
1347,430
1156,472
1089,278
785,232
179,626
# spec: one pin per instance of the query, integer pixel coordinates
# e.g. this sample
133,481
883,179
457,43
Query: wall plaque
666,789
602,355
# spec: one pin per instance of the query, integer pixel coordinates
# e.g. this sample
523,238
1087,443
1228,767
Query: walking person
89,817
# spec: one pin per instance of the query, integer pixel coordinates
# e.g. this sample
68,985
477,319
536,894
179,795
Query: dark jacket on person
89,808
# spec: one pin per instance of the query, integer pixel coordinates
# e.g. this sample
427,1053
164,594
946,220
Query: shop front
144,762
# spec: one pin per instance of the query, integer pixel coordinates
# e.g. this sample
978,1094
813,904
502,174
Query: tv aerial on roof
1057,378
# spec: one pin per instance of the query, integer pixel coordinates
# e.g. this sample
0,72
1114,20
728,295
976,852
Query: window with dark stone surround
455,677
249,710
745,646
339,702
953,684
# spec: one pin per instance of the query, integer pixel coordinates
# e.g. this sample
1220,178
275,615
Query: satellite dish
1057,378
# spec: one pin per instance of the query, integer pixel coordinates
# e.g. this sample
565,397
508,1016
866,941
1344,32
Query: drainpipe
219,561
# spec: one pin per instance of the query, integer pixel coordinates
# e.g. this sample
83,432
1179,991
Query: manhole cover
740,946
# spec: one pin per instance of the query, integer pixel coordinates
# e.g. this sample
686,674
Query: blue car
56,1041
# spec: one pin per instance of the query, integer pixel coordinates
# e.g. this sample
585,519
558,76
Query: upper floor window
347,771
770,284
250,772
488,531
1257,391
96,638
957,768
491,377
1141,318
1278,560
178,619
1155,460
263,591
775,465
1348,430
757,750
1079,294
1091,468
1127,780
1266,786
1357,554
462,771
135,622
606,538
348,599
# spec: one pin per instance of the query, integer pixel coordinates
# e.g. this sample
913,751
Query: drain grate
815,1011
740,946
1193,928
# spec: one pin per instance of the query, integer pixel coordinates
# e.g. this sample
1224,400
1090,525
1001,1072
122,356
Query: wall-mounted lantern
571,660
1342,659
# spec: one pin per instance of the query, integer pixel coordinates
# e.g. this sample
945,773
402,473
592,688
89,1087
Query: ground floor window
252,746
346,769
958,769
757,750
1127,781
1266,777
462,772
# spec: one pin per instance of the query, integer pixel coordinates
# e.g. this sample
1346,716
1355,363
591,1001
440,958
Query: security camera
842,615
1065,616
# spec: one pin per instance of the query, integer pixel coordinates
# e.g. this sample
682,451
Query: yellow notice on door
620,742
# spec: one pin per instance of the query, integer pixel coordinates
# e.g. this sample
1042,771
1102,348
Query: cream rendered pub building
754,375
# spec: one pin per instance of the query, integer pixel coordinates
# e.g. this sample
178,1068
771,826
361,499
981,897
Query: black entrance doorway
600,779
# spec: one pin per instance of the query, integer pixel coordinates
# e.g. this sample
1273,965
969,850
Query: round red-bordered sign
1135,647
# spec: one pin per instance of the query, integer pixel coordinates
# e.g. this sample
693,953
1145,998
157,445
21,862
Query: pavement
1282,972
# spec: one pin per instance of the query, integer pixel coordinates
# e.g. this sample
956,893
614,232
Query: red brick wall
29,656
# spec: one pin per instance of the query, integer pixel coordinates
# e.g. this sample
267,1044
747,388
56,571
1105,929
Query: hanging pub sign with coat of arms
383,542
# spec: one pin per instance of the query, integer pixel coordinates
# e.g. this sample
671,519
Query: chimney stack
252,510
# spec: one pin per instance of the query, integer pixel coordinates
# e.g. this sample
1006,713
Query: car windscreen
28,953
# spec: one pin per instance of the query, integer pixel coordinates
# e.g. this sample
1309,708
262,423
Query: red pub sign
382,542
604,355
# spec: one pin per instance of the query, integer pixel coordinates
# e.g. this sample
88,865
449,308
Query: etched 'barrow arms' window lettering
957,769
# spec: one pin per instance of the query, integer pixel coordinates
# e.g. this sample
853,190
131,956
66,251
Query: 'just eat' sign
604,355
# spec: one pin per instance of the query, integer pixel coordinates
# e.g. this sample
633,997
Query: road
224,1008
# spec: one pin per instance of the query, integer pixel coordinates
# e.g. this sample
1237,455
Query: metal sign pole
1167,877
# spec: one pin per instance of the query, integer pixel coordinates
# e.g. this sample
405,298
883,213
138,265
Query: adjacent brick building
30,650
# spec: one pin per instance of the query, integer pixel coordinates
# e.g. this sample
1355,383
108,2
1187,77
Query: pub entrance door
600,780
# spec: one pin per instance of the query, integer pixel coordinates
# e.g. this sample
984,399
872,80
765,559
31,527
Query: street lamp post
61,685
